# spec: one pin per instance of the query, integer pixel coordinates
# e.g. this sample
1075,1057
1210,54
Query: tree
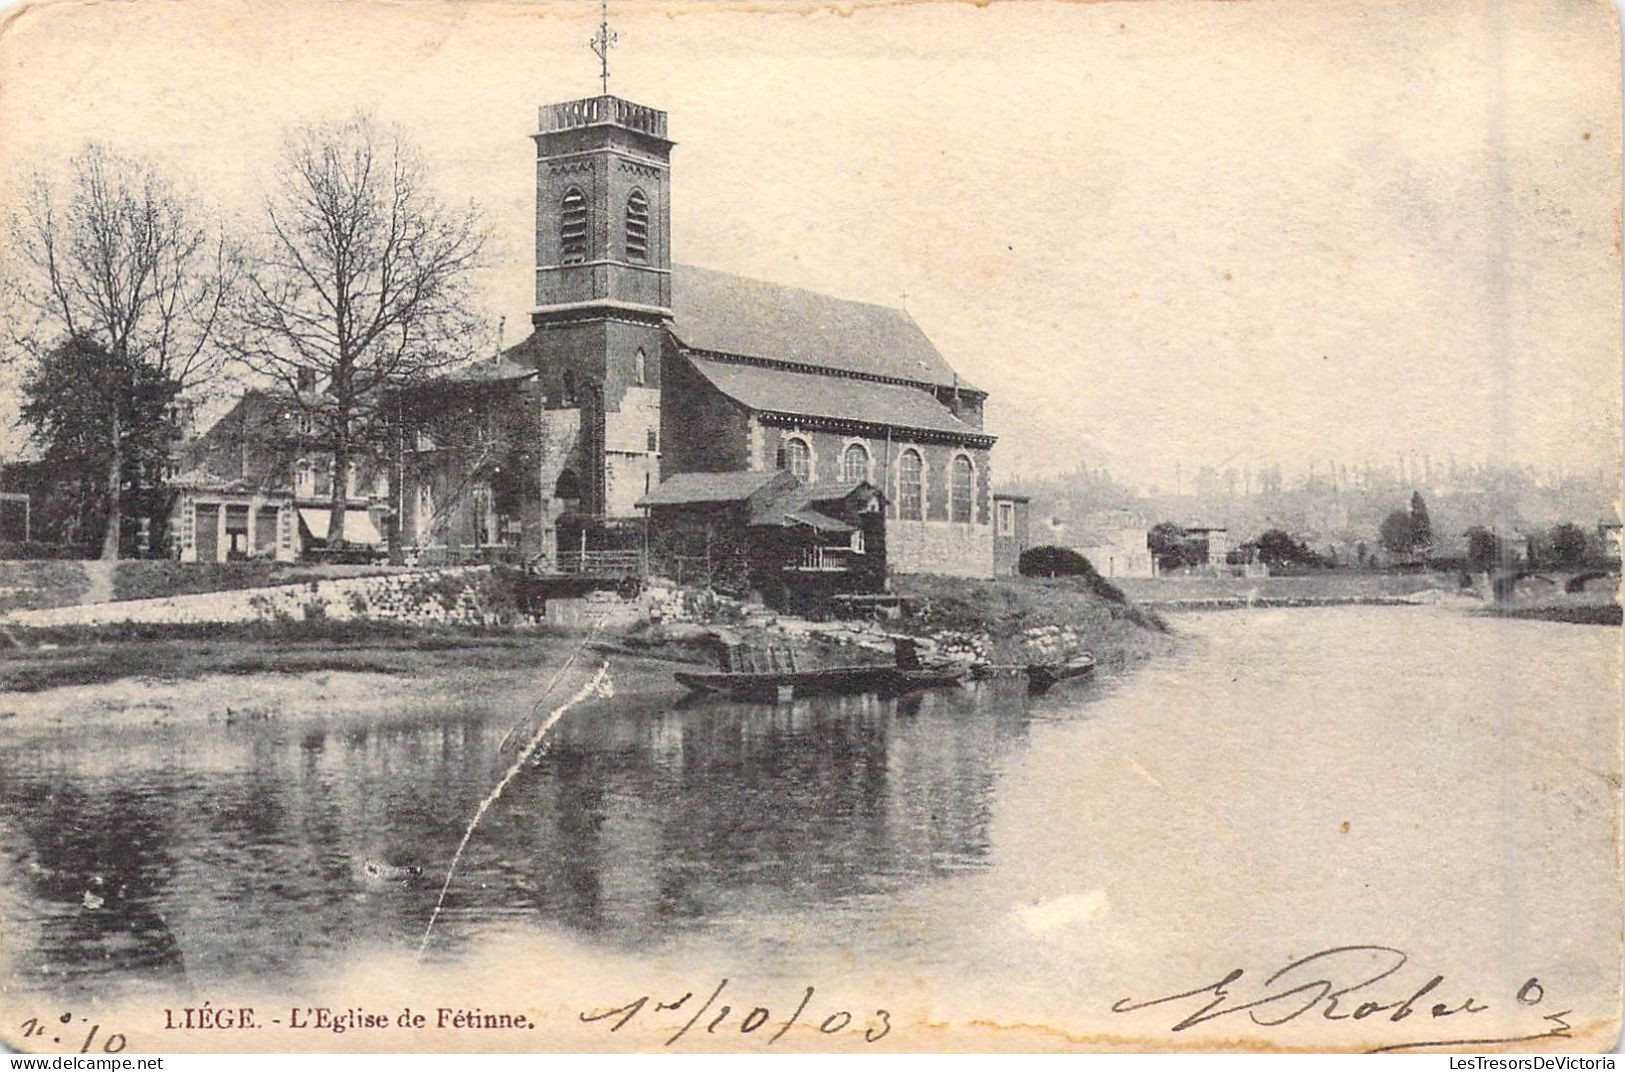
360,287
115,277
1421,525
1483,549
1396,532
1568,545
1170,546
72,399
1277,548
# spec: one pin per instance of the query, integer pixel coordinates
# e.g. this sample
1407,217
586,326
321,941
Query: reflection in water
201,852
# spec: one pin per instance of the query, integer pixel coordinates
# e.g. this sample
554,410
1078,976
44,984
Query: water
222,849
1328,775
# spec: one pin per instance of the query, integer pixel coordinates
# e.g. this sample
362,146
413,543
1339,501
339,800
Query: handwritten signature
756,1018
1345,983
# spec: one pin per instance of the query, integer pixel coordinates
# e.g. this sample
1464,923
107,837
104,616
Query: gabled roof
808,394
686,488
730,314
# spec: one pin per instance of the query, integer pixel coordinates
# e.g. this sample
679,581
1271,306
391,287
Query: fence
601,563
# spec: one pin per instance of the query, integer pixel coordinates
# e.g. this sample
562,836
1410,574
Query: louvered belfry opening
573,227
637,228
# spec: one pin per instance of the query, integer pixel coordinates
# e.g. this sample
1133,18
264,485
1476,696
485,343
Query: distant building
1611,539
1216,539
1115,543
1012,531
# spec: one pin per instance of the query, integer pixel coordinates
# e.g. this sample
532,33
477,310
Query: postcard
839,527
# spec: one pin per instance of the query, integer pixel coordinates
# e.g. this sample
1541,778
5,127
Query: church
639,371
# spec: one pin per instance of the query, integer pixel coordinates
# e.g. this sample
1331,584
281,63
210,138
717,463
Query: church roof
843,398
730,314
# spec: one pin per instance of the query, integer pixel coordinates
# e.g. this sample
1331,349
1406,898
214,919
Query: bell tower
603,286
603,215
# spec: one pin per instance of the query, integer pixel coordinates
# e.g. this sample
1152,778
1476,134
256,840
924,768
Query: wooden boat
826,681
1041,676
909,675
772,684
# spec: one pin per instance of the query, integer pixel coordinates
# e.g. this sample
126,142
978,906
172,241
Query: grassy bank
1572,613
39,659
1339,586
1117,631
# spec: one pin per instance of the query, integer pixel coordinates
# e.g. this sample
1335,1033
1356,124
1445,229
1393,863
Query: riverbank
1569,613
156,668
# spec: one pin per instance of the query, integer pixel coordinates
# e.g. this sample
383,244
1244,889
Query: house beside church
258,483
639,372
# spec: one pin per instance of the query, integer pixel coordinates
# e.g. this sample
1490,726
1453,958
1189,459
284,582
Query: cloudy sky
1157,232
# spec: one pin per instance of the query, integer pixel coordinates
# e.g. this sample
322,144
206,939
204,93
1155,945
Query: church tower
603,288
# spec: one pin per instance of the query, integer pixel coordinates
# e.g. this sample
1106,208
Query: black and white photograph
585,526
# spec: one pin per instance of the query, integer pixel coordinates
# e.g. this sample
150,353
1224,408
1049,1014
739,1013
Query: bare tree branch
120,258
361,283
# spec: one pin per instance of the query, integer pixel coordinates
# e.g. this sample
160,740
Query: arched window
964,481
910,486
855,463
798,459
640,368
637,228
568,486
573,227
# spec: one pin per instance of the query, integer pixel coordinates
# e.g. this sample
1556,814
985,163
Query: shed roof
798,503
730,314
686,488
846,398
815,520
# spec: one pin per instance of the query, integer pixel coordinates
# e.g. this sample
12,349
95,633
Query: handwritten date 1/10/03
1349,983
42,1033
751,1021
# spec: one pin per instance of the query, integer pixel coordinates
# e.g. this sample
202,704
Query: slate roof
685,488
809,394
730,314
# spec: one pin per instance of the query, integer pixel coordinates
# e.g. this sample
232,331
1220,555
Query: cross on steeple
602,42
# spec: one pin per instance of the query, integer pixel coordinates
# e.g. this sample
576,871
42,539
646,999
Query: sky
1159,233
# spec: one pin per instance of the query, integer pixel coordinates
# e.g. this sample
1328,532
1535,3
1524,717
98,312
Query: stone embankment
453,596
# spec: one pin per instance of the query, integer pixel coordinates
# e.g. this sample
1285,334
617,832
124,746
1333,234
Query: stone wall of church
954,550
829,448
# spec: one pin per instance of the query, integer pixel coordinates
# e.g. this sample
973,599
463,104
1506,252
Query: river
1287,781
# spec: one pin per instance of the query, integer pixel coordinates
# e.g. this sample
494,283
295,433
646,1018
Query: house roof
486,370
730,314
808,394
686,488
